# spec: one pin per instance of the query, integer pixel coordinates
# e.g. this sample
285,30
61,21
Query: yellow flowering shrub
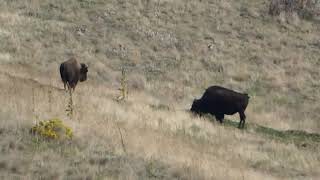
52,129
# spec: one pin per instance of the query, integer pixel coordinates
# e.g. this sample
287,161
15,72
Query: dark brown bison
219,101
71,71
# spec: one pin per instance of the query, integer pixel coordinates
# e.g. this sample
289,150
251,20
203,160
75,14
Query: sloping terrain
172,51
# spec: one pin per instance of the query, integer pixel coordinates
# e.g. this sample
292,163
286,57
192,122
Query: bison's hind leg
65,86
242,119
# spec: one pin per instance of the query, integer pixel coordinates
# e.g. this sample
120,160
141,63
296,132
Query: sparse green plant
69,108
52,129
124,85
86,3
153,169
160,107
50,99
36,116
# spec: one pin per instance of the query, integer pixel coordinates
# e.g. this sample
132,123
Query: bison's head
196,108
83,72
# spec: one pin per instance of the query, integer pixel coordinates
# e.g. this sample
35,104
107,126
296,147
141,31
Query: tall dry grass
189,147
172,50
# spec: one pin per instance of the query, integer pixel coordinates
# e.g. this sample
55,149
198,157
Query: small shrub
69,108
124,86
52,129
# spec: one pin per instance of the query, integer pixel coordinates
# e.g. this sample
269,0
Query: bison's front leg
242,119
220,117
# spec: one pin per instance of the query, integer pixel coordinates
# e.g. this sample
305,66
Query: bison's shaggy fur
219,101
71,71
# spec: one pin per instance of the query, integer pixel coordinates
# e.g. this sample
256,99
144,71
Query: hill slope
172,51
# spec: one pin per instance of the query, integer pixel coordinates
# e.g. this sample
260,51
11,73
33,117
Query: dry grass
173,50
160,143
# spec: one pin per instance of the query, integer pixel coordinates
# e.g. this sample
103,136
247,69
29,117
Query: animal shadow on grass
298,137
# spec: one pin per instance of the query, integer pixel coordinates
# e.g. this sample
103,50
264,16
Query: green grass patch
298,137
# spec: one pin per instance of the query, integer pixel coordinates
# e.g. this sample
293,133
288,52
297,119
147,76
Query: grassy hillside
172,51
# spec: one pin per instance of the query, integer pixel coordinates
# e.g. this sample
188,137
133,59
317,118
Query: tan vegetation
172,51
304,8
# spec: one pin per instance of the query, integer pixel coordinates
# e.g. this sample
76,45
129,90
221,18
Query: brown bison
219,101
71,71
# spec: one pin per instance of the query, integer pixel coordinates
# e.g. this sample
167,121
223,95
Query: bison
71,71
219,101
